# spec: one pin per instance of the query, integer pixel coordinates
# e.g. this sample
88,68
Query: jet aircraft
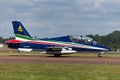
57,46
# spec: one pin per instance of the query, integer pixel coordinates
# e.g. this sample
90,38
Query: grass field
58,71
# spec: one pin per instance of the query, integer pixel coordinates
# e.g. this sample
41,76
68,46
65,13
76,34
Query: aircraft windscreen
83,39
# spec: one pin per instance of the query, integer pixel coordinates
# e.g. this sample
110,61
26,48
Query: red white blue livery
57,46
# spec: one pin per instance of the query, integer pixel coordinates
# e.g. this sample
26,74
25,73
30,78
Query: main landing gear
100,54
57,55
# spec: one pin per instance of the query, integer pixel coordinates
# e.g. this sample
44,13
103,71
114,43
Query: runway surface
59,60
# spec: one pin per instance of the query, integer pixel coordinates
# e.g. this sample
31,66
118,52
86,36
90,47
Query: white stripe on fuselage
66,44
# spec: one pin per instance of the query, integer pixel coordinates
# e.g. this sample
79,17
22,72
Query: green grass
59,72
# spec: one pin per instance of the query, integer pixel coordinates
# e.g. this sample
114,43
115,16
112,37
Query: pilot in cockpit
82,39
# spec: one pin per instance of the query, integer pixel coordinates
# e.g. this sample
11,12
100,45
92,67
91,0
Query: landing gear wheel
57,55
100,55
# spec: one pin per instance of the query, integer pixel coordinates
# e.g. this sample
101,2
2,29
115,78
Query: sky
51,18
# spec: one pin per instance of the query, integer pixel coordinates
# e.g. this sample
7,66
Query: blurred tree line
111,40
3,40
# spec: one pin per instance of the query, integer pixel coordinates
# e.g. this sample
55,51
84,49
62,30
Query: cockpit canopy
82,39
75,39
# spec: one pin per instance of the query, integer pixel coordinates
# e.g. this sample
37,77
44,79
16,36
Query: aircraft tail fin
20,31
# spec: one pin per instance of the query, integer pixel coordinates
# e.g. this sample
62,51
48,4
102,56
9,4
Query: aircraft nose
108,49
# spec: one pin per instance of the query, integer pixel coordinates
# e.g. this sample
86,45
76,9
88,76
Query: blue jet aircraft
57,46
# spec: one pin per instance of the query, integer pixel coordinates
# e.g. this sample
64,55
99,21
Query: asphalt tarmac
14,59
